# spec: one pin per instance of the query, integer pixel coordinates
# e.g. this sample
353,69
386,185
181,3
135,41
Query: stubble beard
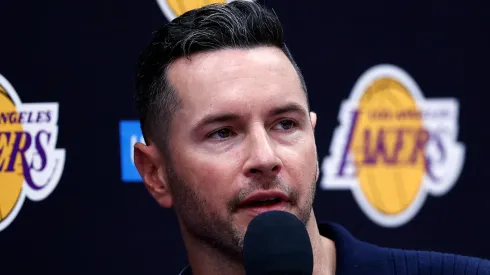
211,229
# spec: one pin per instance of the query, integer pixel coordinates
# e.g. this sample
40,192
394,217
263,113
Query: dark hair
238,24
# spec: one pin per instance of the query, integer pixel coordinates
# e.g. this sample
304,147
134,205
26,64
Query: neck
323,250
205,259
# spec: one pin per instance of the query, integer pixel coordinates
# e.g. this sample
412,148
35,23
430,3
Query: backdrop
400,88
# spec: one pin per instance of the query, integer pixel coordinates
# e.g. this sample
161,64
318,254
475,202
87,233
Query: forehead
235,78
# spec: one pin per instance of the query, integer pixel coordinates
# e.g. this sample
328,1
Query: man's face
242,143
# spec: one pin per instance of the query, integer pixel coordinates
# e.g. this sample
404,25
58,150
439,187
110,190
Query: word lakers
174,8
30,166
393,147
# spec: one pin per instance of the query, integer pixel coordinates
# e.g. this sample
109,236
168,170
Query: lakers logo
393,147
174,8
30,166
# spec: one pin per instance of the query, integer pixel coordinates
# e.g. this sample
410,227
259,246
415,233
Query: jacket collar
352,255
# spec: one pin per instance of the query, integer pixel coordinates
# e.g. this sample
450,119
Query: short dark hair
238,24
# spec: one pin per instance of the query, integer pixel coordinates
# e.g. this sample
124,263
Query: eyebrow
227,117
290,107
217,118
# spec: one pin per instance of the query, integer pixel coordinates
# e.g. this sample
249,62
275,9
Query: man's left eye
286,124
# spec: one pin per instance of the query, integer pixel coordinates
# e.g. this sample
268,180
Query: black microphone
277,243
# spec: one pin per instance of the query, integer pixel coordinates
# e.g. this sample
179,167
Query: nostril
275,168
254,171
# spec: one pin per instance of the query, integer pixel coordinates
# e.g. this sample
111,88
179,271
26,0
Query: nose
262,160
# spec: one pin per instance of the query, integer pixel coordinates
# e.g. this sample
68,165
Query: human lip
263,201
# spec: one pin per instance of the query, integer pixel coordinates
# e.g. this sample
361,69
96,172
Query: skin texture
243,126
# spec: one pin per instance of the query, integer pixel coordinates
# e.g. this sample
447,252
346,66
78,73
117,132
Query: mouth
264,201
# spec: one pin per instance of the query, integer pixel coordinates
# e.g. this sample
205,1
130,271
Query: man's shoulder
358,257
431,262
186,271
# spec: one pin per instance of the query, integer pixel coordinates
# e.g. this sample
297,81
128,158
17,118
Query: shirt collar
350,252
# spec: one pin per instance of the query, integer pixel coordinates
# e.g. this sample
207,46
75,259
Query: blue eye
287,124
221,134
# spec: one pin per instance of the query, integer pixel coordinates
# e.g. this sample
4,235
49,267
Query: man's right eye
221,134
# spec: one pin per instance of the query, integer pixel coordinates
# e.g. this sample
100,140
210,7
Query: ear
313,119
317,172
151,167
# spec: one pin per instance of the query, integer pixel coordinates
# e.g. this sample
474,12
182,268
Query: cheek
301,163
211,176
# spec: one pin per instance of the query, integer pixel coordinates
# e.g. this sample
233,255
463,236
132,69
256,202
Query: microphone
277,243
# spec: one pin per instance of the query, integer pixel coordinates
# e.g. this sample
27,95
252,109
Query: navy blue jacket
355,257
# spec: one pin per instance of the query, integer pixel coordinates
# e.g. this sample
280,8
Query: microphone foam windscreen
276,242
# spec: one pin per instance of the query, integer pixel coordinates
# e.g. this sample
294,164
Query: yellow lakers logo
30,166
393,147
11,178
174,8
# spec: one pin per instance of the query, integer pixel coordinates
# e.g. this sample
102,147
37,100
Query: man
229,133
